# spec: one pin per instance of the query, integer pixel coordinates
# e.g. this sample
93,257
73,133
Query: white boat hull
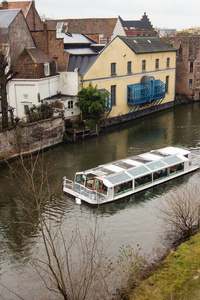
105,200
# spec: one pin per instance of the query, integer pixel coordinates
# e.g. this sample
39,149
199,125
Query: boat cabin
122,177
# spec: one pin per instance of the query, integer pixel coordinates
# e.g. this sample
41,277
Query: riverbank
178,276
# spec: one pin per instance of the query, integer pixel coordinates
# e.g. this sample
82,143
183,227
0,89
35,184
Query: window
160,174
168,60
59,26
123,188
167,84
198,67
26,109
129,67
143,181
157,63
113,94
190,84
143,65
70,104
191,67
46,69
113,68
176,169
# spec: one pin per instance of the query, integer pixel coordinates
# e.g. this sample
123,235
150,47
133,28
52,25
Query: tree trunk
4,106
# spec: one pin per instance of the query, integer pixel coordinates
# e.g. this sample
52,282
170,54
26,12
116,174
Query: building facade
188,65
137,71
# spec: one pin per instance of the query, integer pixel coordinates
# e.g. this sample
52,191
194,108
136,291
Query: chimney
4,4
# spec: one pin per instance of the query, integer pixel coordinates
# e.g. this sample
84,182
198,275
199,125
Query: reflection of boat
125,177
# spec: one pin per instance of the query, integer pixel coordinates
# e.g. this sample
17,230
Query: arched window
70,104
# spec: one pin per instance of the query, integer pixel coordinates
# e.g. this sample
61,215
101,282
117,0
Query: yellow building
139,72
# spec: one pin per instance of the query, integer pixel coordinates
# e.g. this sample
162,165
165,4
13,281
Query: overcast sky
178,14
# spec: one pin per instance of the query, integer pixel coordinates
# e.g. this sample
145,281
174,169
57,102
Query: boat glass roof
156,165
173,160
119,178
122,164
141,159
139,171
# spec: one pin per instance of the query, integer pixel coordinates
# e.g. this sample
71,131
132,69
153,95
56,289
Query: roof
136,166
103,26
80,62
7,17
146,44
143,24
23,5
38,56
186,41
9,107
74,38
78,50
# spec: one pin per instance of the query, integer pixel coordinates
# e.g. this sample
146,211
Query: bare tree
71,263
180,210
6,74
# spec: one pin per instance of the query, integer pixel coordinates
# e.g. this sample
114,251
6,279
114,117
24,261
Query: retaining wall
31,137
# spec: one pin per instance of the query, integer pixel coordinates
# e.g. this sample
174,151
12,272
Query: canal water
131,221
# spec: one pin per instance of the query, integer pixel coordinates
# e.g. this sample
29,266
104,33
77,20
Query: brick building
188,65
45,39
37,77
34,63
29,11
142,27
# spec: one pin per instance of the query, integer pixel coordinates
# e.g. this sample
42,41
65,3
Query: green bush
75,126
66,138
91,102
41,112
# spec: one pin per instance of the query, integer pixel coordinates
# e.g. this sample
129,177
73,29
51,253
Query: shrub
66,138
91,102
75,126
36,113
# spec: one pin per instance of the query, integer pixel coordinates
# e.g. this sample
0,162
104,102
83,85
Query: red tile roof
23,5
87,26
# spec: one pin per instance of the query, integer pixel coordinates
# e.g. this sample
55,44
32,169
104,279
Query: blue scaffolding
108,102
149,91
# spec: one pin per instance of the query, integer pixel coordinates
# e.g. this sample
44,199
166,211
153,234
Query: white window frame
47,69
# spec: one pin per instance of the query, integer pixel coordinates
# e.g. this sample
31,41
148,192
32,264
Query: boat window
100,187
147,179
160,174
176,169
80,178
123,188
104,189
90,180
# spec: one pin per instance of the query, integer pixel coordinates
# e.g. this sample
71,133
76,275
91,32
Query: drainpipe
34,24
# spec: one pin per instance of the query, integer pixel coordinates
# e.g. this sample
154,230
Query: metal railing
92,195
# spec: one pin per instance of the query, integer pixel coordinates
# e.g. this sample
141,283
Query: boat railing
82,190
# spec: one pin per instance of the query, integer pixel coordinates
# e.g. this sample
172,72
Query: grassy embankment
177,278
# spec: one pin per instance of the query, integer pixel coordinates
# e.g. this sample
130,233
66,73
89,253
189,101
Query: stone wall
31,137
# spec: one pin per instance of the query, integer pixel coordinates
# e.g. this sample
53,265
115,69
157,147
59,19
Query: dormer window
47,69
59,27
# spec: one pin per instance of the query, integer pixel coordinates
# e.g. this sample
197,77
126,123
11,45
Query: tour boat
124,177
